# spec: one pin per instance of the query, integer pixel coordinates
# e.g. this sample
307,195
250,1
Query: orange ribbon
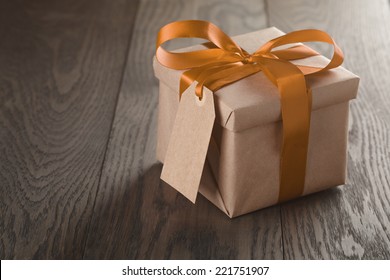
226,63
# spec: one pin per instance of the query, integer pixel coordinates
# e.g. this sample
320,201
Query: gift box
242,170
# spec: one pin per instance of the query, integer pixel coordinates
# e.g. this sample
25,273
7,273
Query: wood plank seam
131,32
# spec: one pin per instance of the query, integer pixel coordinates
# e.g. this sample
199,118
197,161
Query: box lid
255,100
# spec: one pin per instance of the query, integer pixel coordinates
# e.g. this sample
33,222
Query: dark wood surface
61,65
78,104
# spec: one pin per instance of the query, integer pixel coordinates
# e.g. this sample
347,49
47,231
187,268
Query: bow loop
307,35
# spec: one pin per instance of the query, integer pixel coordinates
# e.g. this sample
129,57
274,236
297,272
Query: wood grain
61,64
78,174
137,216
351,222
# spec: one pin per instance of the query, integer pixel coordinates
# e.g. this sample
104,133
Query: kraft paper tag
189,141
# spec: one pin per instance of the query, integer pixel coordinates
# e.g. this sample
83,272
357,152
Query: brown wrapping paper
241,173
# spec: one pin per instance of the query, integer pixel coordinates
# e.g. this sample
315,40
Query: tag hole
199,100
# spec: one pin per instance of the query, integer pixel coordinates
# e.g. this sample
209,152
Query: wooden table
78,103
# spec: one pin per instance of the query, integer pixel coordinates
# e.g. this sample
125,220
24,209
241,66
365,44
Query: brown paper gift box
241,173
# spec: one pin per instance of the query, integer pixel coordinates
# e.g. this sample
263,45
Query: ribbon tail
229,76
200,74
187,78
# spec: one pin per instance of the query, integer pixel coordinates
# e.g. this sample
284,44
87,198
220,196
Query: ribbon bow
226,62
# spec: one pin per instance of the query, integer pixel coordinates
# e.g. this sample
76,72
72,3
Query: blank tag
189,141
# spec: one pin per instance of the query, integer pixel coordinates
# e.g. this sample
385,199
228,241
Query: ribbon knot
248,59
226,63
